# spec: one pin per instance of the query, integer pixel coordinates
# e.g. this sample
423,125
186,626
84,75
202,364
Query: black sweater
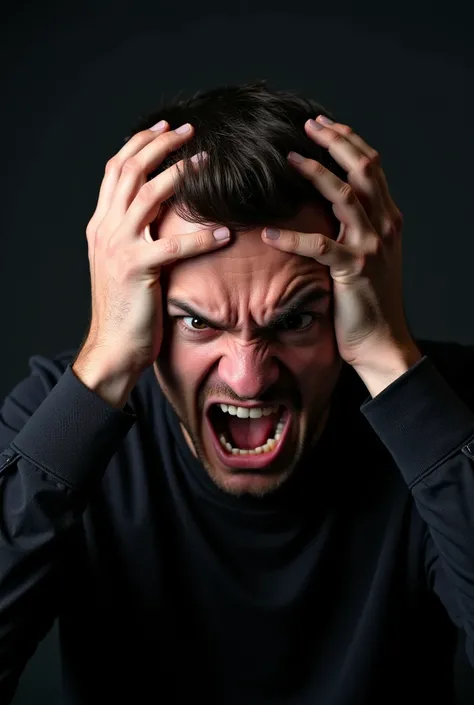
345,587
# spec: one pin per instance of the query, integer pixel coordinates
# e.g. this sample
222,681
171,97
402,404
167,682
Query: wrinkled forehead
247,262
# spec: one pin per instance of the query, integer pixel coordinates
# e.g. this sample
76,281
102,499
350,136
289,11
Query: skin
241,285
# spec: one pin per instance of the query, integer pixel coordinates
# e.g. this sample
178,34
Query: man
251,484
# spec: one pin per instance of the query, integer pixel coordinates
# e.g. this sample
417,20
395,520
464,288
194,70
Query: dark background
75,76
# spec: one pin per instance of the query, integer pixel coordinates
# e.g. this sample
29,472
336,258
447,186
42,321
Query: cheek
183,364
311,360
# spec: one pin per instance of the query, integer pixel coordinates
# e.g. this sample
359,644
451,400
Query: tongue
250,433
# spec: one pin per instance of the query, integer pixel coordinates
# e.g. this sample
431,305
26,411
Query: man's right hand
125,262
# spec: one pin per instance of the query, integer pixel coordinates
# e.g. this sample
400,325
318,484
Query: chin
248,483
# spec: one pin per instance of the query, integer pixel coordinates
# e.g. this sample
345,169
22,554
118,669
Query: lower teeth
266,448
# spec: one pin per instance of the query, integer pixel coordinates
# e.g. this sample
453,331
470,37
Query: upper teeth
244,413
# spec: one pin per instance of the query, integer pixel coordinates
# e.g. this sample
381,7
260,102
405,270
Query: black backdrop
75,76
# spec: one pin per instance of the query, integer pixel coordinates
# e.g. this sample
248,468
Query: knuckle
135,143
171,246
368,164
390,227
201,241
347,194
335,137
142,138
101,231
375,157
365,165
168,142
110,248
387,227
377,247
146,193
318,169
139,140
361,261
346,129
295,239
131,166
112,165
90,229
321,245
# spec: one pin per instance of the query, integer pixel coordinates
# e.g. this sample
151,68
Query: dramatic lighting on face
249,359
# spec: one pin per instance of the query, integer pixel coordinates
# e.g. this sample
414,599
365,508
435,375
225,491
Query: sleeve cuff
73,433
420,419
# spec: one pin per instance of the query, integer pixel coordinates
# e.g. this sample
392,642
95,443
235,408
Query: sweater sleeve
429,431
56,439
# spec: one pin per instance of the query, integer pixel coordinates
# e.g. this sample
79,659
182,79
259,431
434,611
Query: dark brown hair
247,131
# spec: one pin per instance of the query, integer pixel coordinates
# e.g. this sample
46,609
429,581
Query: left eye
296,316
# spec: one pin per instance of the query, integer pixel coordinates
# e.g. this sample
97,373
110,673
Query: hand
366,259
125,262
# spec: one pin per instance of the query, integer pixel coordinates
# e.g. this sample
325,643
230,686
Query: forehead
247,262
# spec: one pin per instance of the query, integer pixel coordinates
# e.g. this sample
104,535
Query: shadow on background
77,76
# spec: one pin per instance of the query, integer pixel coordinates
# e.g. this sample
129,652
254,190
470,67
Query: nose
248,369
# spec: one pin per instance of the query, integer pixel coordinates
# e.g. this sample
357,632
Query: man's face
293,364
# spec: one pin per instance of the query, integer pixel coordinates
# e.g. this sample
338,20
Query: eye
291,323
296,323
191,327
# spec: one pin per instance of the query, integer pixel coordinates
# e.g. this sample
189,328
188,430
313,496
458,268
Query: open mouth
248,438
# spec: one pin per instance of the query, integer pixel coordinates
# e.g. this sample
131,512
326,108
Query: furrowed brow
282,313
298,302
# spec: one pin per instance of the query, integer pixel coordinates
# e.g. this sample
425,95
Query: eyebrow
298,302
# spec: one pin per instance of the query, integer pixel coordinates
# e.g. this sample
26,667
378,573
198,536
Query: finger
340,258
388,204
346,149
137,167
169,249
351,136
147,203
357,158
338,192
357,143
113,169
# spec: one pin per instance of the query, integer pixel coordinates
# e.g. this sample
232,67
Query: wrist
112,380
387,367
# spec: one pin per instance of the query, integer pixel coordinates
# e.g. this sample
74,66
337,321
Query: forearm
429,432
56,440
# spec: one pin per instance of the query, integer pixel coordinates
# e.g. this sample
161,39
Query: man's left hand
366,259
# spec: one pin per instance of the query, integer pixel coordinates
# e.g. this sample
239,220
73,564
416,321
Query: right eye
189,327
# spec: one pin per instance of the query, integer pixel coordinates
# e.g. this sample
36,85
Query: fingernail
159,126
272,233
184,128
325,120
200,156
295,157
222,233
315,125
